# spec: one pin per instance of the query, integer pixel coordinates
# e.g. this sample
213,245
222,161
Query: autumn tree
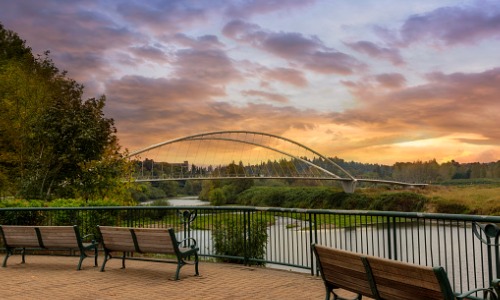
51,140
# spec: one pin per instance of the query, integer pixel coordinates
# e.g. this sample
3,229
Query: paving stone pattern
55,277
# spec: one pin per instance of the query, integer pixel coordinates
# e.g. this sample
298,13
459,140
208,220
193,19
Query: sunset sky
375,81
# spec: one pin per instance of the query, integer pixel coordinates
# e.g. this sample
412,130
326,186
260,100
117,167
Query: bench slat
399,280
20,236
154,240
390,272
117,238
343,269
58,237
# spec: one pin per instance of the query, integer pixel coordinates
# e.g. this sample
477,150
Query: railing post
187,217
394,238
392,247
312,239
389,247
490,231
246,235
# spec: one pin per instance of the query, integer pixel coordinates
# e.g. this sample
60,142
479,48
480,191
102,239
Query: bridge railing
465,245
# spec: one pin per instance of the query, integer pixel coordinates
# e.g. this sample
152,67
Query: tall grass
472,199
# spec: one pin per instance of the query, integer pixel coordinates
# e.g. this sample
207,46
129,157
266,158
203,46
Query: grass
472,199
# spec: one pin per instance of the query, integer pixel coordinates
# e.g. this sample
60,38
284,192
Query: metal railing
466,246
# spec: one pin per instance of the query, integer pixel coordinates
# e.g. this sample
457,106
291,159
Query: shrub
440,205
229,240
217,197
21,217
401,201
87,220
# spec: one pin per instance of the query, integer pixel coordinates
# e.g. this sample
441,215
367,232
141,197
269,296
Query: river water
182,201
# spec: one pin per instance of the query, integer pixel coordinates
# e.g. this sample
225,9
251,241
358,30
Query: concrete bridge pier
349,186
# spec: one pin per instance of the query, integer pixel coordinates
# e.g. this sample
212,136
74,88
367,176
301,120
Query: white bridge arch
284,147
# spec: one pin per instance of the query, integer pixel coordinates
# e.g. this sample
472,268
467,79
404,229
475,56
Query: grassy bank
471,199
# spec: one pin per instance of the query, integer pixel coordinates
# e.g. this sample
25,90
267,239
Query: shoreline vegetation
473,199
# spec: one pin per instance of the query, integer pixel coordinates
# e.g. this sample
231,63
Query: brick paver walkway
55,277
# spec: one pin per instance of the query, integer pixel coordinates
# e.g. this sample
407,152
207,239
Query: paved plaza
55,277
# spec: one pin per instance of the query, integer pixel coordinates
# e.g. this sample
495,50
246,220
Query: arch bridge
239,155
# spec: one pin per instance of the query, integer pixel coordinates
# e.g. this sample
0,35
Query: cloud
149,53
373,50
266,95
455,25
291,76
391,80
245,9
152,110
309,52
209,66
207,41
163,16
449,103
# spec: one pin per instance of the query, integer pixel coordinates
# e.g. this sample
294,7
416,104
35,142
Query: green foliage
86,220
402,201
21,217
230,240
170,188
145,191
448,207
328,198
52,142
217,197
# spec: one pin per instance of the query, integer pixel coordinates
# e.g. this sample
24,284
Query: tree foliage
52,142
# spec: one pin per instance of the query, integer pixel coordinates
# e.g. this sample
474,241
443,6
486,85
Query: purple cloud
163,16
309,52
248,8
391,80
376,51
286,75
454,25
209,66
273,97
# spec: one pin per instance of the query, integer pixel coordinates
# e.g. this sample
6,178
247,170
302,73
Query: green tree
51,140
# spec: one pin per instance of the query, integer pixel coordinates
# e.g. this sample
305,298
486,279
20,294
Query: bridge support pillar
349,186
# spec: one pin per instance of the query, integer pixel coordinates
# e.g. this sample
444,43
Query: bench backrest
117,238
398,280
342,269
130,239
156,240
52,237
59,236
19,236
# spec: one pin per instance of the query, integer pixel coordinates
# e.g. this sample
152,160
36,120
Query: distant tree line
414,172
423,171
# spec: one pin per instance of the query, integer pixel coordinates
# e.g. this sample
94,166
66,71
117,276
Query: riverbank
465,199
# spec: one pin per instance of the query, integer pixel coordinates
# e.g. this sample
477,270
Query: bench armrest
496,285
93,241
192,245
488,293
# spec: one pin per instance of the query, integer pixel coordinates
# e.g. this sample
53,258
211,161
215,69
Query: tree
52,141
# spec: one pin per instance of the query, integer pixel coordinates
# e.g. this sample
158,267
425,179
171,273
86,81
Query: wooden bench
342,270
146,240
386,279
46,238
